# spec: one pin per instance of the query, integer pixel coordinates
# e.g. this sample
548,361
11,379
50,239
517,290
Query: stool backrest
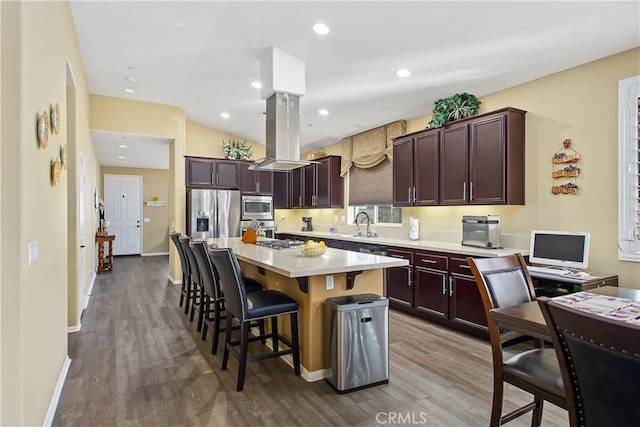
200,252
191,260
175,238
235,294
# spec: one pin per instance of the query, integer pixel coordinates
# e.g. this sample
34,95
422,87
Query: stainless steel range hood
283,134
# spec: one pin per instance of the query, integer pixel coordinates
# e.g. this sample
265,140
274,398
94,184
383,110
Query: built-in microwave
257,207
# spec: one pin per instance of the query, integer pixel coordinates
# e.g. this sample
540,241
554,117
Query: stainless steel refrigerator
213,213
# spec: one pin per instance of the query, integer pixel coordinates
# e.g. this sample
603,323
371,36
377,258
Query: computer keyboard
548,270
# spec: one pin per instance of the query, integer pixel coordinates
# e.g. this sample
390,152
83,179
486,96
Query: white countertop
454,248
289,262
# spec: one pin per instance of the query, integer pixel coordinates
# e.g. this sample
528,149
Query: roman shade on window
372,186
368,149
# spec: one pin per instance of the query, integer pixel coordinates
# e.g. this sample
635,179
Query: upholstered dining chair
185,291
248,307
213,302
197,294
600,364
503,282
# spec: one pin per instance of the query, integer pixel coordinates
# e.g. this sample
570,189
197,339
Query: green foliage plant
459,106
236,150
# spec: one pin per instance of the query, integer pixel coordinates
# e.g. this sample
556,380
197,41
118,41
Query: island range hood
282,85
283,134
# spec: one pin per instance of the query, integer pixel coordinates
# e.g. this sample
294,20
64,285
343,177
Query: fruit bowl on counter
311,248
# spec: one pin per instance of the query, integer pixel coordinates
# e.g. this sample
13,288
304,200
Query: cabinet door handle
429,261
464,266
464,191
450,286
471,191
397,256
410,277
415,200
300,200
257,187
444,285
217,177
409,195
213,178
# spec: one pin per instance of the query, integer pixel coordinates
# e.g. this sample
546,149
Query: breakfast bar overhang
306,279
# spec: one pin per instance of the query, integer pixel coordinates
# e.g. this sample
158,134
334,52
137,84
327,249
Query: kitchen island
311,280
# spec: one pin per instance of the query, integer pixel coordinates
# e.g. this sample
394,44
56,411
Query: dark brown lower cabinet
438,287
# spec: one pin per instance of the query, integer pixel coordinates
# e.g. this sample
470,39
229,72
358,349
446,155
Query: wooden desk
527,318
104,264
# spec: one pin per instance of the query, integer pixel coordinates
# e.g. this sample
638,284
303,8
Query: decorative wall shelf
564,167
153,203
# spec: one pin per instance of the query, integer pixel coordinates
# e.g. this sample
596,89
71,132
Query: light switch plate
147,220
329,282
33,252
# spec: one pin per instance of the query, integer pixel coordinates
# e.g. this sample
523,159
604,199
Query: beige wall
34,316
204,141
155,183
580,104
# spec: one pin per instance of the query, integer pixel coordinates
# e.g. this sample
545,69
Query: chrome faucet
369,222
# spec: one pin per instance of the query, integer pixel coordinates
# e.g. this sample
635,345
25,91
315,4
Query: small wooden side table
104,264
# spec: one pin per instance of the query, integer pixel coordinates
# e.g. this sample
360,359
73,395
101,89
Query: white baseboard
155,253
53,404
74,328
93,282
175,281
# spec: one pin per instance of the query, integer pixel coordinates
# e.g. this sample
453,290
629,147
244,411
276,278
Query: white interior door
82,293
122,211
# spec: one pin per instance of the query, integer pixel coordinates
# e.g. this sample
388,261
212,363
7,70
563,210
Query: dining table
528,319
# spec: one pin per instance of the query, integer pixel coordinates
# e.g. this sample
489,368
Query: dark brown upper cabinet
314,186
415,169
478,160
211,173
255,182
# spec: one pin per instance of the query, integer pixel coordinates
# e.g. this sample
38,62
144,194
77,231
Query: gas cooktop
280,244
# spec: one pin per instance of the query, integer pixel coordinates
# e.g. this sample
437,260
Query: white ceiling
202,56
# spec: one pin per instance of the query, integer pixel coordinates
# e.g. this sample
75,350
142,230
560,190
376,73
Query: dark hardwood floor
137,361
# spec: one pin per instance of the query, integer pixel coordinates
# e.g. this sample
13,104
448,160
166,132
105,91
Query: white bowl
317,251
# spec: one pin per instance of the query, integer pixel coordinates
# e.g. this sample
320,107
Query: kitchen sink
358,236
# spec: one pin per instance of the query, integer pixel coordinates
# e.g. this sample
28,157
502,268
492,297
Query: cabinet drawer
404,254
428,260
459,266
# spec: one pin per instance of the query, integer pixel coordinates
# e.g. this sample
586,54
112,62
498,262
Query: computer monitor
560,248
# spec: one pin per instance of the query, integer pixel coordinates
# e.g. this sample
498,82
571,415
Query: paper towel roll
414,228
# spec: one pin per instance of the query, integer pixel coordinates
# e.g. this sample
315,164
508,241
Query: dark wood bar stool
197,294
185,291
248,307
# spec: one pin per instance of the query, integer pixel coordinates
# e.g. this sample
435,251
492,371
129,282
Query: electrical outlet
342,218
147,220
33,253
329,282
335,218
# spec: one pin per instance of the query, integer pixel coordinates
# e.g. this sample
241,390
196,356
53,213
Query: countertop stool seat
249,307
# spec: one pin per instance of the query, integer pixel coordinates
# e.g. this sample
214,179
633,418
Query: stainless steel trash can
358,346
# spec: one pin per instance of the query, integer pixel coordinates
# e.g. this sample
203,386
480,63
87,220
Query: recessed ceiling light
321,29
323,112
225,115
121,157
403,72
257,85
122,146
130,79
129,90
